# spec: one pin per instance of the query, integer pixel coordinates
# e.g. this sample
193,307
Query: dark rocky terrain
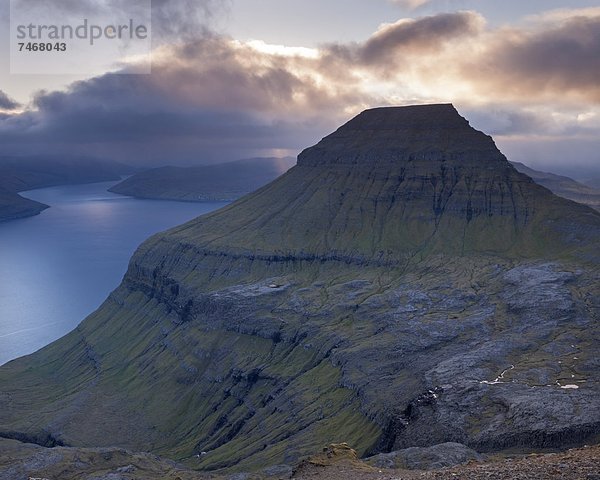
563,186
335,462
25,461
18,174
403,286
221,182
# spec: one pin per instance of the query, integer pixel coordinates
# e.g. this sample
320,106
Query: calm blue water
58,267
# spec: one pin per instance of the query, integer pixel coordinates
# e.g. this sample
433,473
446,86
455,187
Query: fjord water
58,267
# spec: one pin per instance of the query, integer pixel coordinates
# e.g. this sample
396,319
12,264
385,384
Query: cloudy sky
241,78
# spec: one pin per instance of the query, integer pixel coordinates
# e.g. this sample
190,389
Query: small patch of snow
499,378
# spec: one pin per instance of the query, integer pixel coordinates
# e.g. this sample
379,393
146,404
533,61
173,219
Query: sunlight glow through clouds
283,50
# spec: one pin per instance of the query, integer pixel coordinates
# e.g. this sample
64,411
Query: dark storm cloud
559,60
392,43
7,103
213,99
150,136
425,34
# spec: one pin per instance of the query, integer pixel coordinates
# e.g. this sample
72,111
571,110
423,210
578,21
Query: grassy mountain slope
403,285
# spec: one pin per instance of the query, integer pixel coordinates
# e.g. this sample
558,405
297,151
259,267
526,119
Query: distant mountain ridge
402,286
563,186
219,182
594,183
18,174
13,206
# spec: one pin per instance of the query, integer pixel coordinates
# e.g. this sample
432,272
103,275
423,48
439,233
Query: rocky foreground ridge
334,462
402,286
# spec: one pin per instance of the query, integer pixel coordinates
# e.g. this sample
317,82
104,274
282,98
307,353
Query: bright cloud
217,98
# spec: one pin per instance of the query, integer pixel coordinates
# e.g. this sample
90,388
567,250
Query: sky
244,78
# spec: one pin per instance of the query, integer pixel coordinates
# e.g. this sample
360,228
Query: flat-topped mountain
563,186
220,182
403,285
394,183
396,135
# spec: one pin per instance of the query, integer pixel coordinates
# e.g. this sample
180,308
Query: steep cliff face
403,285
